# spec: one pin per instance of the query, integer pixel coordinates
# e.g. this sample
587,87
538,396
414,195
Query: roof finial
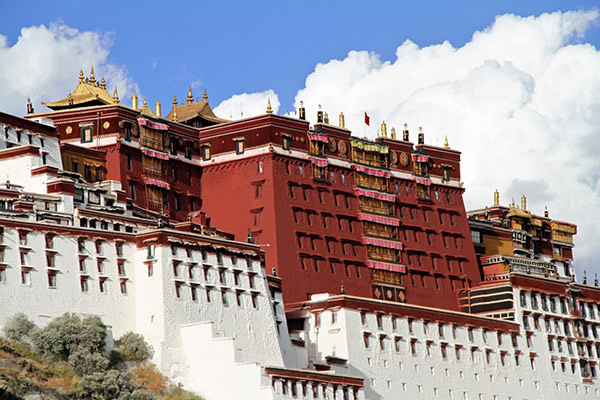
393,133
145,104
513,203
134,103
546,214
190,98
496,198
383,129
174,108
524,203
596,280
585,277
81,76
158,110
116,96
92,78
342,120
269,109
446,145
205,97
103,83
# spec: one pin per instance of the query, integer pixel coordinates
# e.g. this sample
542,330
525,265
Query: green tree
133,347
18,328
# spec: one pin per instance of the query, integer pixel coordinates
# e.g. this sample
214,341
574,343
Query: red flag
367,119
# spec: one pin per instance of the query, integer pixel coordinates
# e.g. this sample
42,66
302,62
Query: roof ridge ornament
205,97
92,78
190,97
116,96
81,76
269,109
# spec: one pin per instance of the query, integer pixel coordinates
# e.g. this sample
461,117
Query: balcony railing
154,172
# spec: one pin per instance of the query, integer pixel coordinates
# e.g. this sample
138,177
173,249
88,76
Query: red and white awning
372,171
155,154
375,195
423,181
319,162
156,182
378,219
420,158
153,125
320,138
382,243
386,266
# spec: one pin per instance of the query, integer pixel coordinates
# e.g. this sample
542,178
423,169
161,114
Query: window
177,201
239,146
178,290
83,283
366,338
132,190
188,151
286,142
127,132
121,268
102,285
51,279
174,146
446,173
123,286
87,134
128,162
205,153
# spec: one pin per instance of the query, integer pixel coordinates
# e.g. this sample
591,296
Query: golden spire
383,129
269,109
446,145
158,111
81,77
496,198
205,97
523,203
145,104
174,108
342,120
134,103
326,118
103,83
393,133
92,78
513,202
116,96
190,97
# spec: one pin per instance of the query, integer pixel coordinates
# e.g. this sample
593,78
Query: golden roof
517,212
88,92
190,110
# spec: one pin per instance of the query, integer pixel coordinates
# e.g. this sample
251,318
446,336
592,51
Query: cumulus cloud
247,105
519,100
44,64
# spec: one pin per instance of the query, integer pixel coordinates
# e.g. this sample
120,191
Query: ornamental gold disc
404,159
332,146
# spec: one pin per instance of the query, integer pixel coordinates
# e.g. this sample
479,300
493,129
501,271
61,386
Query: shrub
133,347
112,385
67,333
148,377
18,328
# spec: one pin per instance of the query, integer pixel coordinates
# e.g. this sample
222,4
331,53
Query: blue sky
232,47
512,84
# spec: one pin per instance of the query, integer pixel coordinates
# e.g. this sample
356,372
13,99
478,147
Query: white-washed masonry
402,356
567,345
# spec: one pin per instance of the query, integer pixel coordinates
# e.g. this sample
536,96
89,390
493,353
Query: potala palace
272,258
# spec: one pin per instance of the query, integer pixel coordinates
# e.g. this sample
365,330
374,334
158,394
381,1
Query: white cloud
44,64
519,100
247,105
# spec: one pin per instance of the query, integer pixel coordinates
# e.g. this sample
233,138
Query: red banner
319,162
155,154
373,172
156,182
379,220
423,181
320,138
375,195
382,243
153,125
419,158
386,266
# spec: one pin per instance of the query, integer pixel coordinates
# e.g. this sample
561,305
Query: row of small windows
549,303
210,294
189,251
328,221
317,264
323,195
19,137
301,388
426,215
314,243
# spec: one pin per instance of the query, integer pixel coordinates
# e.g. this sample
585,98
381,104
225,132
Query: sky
513,85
